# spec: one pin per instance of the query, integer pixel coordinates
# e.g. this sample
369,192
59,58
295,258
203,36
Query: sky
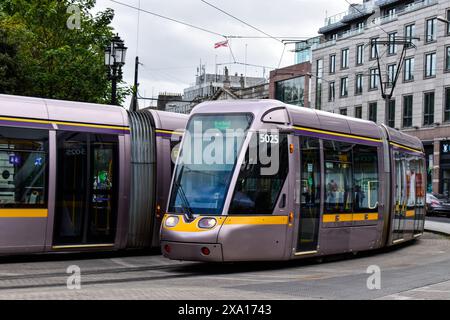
171,52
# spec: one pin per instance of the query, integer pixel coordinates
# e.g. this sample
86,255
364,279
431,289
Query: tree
43,57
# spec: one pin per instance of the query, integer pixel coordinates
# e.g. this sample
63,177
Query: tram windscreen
207,160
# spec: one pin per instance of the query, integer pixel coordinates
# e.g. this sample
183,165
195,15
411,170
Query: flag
221,44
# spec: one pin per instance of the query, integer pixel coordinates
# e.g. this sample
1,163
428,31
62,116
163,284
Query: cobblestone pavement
420,270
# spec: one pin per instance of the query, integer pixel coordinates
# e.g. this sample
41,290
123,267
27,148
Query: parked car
438,204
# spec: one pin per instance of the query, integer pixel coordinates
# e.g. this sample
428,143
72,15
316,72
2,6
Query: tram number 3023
269,138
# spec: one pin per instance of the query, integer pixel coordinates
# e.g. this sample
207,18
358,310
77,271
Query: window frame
446,108
433,30
392,48
345,58
370,107
359,79
360,54
430,113
410,32
332,64
341,88
376,81
331,91
404,116
433,61
358,109
411,69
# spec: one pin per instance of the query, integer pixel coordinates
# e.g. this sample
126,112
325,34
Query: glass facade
291,91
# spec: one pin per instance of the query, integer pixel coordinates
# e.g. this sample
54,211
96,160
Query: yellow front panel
257,220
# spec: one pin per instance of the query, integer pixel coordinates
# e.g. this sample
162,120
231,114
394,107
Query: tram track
40,277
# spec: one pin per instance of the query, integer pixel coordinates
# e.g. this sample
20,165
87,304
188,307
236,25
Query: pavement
419,270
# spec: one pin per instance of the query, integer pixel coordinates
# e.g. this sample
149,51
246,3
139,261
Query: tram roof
49,109
168,120
311,118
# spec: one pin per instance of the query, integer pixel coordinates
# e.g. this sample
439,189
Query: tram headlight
172,221
207,223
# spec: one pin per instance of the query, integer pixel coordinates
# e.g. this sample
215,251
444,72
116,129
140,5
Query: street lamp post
115,54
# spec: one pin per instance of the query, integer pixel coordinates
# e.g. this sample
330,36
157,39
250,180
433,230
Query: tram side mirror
283,201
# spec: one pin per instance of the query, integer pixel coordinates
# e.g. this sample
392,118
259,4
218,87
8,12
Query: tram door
86,208
309,220
400,196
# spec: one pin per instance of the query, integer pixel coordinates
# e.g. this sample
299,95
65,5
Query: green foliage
40,56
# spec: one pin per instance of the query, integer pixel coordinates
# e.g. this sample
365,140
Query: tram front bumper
192,251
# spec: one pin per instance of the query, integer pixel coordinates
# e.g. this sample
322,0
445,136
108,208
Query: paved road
438,219
417,271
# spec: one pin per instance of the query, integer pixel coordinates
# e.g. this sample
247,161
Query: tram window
338,177
23,168
420,186
310,171
257,189
174,151
412,164
365,178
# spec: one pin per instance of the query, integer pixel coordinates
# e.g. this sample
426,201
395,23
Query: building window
392,70
331,92
430,65
373,111
343,111
408,73
410,33
373,83
392,47
344,87
291,91
447,59
391,114
447,105
333,63
373,48
359,54
407,111
359,84
344,58
430,34
428,109
319,75
358,112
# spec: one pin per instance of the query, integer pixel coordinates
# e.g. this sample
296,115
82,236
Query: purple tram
79,176
339,185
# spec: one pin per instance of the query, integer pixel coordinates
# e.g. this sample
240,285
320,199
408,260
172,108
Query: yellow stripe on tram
23,213
67,123
337,134
169,132
349,217
410,213
406,148
257,220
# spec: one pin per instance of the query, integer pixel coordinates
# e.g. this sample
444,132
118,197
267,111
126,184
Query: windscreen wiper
189,213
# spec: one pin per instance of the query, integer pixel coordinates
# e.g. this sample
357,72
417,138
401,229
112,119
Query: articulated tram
79,176
261,180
